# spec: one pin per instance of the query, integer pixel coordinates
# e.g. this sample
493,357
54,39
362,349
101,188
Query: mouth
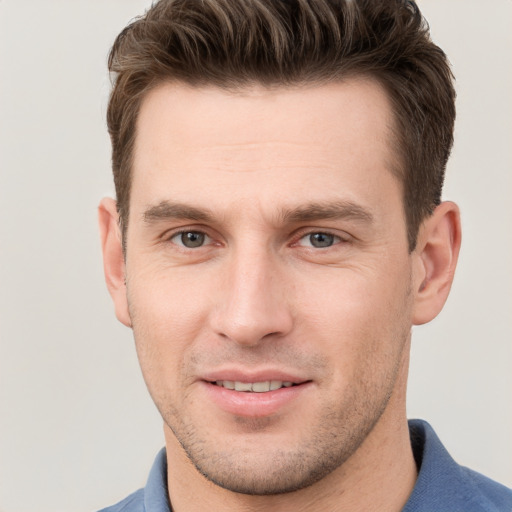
254,395
254,387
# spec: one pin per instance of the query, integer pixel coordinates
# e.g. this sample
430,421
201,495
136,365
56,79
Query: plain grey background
77,428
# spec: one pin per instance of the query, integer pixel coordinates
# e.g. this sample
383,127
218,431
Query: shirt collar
156,496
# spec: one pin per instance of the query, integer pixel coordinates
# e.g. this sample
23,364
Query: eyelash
189,231
337,239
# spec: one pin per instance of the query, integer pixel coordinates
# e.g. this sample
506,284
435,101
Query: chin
275,476
286,463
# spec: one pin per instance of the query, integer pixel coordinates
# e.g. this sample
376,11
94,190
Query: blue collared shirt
442,485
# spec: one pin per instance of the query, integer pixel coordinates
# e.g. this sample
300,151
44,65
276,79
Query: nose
254,300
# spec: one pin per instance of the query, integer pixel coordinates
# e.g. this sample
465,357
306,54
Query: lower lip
252,404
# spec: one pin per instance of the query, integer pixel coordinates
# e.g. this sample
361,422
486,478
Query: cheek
345,299
356,315
168,302
167,316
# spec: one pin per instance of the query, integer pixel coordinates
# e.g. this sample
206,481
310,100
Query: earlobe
436,253
113,258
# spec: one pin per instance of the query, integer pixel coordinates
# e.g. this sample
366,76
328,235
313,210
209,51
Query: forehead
207,143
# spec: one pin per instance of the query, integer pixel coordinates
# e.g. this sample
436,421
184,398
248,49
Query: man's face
267,245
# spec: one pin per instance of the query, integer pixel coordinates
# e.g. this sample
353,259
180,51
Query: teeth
261,387
243,386
255,387
275,384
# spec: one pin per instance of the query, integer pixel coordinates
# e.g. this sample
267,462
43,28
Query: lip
247,404
253,376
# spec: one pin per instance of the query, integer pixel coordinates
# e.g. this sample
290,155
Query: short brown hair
232,43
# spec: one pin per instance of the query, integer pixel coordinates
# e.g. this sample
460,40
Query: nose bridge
253,304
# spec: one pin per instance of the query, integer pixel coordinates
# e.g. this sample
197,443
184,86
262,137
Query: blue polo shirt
442,485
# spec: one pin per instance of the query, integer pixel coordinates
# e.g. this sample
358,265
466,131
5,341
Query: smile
254,387
254,395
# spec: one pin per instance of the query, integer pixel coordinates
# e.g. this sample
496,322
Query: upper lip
240,375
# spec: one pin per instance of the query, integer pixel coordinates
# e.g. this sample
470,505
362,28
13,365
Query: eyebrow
314,211
329,210
166,210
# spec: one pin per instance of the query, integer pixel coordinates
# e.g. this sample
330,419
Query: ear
113,258
436,255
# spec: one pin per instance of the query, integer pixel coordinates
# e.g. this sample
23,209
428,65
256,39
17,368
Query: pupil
321,240
192,239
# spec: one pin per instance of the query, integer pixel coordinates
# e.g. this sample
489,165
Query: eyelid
168,235
335,241
207,239
343,237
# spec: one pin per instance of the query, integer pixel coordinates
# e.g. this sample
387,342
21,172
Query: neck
380,475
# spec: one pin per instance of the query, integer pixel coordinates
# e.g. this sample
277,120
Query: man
278,230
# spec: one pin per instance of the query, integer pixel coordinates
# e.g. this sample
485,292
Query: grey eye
190,239
321,239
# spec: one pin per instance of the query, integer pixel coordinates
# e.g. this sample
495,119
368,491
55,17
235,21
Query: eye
190,239
319,240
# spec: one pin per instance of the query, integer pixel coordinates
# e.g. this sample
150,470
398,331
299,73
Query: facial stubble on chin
336,435
281,471
333,439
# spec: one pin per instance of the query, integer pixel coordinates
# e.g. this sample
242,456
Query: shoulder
132,503
486,493
154,496
444,485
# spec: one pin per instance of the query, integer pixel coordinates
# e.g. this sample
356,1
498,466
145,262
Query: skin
258,177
